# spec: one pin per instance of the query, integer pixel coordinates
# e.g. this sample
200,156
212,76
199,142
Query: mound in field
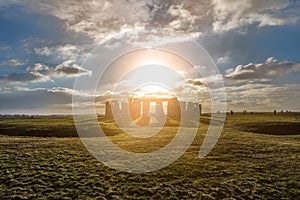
271,128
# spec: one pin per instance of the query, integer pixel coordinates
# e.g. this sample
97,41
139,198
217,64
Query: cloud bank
101,19
43,73
231,14
62,70
270,68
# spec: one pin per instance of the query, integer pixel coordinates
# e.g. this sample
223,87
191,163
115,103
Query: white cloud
100,19
223,60
97,19
270,68
13,62
183,19
42,73
60,52
44,51
251,87
62,70
231,14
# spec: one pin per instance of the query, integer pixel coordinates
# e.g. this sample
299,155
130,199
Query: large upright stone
108,110
174,108
159,110
134,108
124,110
115,109
190,109
146,108
200,109
196,110
124,119
183,108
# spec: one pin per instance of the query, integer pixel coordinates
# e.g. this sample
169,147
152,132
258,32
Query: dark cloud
195,82
67,71
39,99
62,70
43,73
34,99
24,77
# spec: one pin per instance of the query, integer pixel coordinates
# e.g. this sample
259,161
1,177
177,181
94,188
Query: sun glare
153,73
152,91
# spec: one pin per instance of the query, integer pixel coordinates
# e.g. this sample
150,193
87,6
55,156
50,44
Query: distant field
38,126
256,157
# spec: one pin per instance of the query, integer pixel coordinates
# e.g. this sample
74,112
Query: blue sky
255,45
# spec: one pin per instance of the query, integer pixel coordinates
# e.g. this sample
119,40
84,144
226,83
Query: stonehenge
140,107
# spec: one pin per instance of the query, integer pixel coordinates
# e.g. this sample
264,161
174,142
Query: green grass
243,165
38,126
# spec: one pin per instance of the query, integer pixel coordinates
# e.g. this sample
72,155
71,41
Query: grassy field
41,158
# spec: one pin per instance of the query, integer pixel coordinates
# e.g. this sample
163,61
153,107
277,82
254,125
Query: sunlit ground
243,165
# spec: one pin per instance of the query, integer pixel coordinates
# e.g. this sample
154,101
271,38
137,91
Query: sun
152,91
145,73
151,78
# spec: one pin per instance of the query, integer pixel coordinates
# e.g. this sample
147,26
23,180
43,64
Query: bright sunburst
152,91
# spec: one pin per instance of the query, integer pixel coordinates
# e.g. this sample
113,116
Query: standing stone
159,111
108,110
134,108
197,108
183,108
200,109
124,110
146,108
190,109
115,109
174,109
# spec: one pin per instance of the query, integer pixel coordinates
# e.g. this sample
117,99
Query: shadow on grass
271,128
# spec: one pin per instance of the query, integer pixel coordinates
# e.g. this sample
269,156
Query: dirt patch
271,128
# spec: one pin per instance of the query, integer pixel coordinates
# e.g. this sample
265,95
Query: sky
43,45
